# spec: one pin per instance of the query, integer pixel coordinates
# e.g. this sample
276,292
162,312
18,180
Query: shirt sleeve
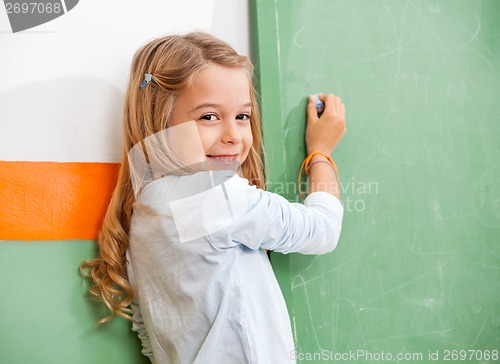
265,220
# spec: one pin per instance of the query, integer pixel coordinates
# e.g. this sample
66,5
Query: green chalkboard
417,268
47,315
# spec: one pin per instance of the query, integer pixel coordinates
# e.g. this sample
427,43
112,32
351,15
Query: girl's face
218,100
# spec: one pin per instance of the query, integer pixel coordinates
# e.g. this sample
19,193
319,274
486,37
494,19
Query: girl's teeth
224,159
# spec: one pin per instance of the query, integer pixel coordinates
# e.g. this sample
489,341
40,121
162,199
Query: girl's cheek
208,137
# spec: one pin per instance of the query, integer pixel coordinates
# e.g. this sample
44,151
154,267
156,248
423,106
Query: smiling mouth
224,157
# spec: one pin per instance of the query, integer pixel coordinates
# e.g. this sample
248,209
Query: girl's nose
231,132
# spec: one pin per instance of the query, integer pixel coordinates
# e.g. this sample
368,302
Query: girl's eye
209,117
243,117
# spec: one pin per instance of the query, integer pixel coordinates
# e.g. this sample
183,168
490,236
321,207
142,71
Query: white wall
62,83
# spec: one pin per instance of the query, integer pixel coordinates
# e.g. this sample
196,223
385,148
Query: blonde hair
172,61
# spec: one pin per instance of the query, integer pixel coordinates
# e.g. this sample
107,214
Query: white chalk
319,104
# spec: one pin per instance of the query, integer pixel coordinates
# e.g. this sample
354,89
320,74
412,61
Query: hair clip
147,79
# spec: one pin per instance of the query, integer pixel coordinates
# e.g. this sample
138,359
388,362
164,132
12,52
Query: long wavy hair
173,61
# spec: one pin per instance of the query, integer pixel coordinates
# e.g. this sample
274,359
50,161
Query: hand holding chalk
325,123
320,106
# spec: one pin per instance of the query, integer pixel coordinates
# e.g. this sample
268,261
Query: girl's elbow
331,235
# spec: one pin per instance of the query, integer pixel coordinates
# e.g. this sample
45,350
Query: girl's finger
312,112
329,101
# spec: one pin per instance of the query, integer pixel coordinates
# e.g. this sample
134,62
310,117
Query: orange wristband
305,165
320,161
306,162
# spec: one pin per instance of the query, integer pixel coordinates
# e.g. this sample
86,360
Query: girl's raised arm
322,135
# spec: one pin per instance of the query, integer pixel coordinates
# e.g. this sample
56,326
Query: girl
184,238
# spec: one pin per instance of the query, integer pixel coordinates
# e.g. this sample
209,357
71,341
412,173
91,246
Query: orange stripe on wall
54,201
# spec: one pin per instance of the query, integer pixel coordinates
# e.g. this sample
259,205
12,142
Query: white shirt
205,291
